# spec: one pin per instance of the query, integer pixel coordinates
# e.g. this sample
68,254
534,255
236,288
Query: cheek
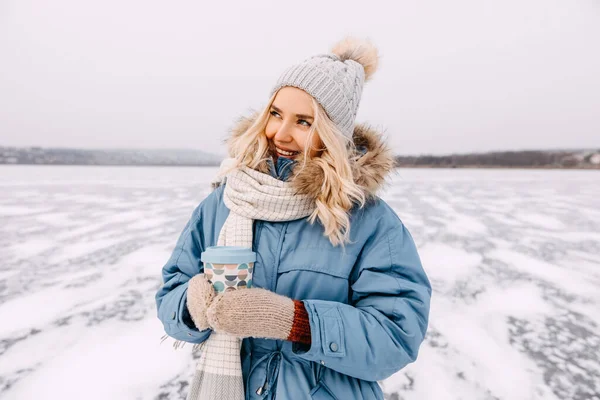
300,139
316,144
271,128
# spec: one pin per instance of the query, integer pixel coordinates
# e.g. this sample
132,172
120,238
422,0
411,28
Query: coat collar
371,163
282,168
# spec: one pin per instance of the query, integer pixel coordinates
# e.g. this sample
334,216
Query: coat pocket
314,274
331,262
324,266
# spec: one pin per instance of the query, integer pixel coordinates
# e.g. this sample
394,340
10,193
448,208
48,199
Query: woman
340,299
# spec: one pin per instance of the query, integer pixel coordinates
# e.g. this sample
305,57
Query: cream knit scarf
249,195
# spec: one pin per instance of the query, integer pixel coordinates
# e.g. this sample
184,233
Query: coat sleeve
184,263
382,328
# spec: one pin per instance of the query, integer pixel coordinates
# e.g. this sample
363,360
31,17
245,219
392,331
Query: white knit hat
335,80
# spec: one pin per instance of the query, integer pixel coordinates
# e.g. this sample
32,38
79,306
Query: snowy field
512,256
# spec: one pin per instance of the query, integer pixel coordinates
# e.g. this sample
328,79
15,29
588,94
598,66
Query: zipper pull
261,389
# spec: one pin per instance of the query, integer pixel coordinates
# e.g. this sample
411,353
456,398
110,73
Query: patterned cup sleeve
229,276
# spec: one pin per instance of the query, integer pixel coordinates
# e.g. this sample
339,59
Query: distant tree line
62,156
540,159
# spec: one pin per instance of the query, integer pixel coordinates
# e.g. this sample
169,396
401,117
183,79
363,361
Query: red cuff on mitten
301,327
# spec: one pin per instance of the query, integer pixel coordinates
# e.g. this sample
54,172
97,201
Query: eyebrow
302,116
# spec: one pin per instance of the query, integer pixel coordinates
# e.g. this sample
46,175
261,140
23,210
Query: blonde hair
338,192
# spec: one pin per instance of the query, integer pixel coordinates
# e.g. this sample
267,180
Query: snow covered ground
512,256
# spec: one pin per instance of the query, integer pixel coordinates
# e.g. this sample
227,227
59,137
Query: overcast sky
455,76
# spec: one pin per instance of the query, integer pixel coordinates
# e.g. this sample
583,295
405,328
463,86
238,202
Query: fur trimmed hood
371,164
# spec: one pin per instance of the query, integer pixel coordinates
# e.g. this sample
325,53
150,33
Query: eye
304,122
275,114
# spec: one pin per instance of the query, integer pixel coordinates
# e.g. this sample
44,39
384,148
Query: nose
284,133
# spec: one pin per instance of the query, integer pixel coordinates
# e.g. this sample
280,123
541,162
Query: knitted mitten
200,295
259,313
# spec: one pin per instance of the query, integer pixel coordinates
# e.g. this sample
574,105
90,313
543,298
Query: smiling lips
286,153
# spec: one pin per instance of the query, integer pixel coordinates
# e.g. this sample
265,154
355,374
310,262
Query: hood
371,163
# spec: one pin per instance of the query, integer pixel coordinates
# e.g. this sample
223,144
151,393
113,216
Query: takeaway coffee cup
228,267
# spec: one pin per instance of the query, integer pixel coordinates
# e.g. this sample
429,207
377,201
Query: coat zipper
278,257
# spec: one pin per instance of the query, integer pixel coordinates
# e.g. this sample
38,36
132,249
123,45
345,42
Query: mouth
285,153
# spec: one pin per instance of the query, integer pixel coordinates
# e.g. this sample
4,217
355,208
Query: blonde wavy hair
339,192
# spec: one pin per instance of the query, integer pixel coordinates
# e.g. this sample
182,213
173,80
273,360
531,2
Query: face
290,119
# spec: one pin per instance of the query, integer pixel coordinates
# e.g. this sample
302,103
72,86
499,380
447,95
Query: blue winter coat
368,305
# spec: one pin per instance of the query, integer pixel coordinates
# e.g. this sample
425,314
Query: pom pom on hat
360,50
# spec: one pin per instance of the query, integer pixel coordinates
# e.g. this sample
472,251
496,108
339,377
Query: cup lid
228,255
